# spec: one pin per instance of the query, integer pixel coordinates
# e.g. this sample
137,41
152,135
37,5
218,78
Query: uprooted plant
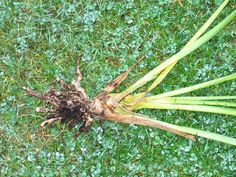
72,105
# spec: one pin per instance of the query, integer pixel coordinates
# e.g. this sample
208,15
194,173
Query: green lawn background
42,40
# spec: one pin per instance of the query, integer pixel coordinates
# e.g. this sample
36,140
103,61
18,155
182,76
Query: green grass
42,40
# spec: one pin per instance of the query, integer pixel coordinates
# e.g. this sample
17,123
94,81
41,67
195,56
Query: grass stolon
72,105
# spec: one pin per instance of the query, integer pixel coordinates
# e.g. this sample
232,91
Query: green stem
191,102
196,87
197,108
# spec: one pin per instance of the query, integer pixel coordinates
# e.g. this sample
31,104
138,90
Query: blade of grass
184,52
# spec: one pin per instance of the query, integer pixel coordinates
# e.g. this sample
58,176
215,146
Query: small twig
50,121
64,85
33,93
76,82
44,97
45,110
79,74
88,121
52,91
180,3
85,127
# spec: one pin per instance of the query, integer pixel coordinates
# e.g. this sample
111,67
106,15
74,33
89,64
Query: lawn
42,40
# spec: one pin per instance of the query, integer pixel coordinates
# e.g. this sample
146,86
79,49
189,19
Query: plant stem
196,87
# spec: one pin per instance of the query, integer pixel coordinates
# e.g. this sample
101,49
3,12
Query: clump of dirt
70,106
